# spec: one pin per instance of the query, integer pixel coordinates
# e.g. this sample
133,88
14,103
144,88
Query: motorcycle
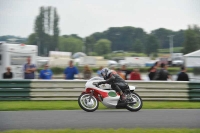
93,94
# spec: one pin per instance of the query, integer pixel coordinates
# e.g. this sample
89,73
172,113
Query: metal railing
71,89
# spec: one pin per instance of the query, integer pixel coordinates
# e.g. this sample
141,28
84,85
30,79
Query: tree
151,45
192,39
162,35
138,46
122,38
11,39
179,38
89,42
102,46
49,19
72,35
70,44
32,39
40,30
55,31
45,24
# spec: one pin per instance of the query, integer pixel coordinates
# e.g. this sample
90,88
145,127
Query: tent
192,59
78,55
112,63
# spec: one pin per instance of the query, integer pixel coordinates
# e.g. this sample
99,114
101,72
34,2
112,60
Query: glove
99,83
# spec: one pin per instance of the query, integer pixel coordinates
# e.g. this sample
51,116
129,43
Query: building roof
194,54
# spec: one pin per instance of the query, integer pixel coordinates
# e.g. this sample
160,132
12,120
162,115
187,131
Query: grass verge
135,130
73,105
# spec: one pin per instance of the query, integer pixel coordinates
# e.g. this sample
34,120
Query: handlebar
95,84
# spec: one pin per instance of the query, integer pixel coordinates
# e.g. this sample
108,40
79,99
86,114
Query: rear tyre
135,98
87,105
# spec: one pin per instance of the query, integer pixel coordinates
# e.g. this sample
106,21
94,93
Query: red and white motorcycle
93,94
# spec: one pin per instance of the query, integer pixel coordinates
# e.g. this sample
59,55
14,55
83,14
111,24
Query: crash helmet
105,72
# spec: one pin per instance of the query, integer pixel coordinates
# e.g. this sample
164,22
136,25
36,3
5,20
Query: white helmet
105,72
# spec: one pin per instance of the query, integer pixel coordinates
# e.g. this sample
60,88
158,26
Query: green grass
73,105
175,50
127,54
134,130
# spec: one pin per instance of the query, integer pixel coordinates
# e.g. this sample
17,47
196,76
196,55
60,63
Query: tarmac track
59,119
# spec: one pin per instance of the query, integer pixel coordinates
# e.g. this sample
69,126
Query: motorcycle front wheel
86,104
134,97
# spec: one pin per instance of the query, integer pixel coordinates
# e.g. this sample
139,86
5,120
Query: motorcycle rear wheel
87,105
138,105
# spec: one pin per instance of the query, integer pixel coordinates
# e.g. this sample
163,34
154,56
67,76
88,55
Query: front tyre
135,98
87,105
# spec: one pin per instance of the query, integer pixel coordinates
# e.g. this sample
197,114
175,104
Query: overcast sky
84,17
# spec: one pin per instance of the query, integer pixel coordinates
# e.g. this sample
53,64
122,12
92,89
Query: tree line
136,39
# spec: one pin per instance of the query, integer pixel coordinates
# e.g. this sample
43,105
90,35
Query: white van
15,56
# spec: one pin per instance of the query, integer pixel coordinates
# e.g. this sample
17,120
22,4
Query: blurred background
135,33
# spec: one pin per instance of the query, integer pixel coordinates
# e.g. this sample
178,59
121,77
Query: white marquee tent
192,59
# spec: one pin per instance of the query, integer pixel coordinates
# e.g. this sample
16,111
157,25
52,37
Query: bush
55,70
39,69
196,70
92,54
135,55
107,56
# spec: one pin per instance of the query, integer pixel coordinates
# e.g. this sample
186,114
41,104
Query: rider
116,82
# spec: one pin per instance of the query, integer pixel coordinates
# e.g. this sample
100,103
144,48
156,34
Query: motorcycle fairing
102,92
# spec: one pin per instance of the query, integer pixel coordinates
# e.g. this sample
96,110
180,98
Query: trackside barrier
71,89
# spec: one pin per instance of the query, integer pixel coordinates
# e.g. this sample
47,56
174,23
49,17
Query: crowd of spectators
159,71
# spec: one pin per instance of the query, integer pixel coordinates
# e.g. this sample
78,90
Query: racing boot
122,98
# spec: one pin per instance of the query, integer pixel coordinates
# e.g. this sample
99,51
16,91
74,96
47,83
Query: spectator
8,74
120,73
183,76
46,73
70,71
112,68
99,71
161,74
168,74
152,70
29,69
125,71
135,75
87,72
